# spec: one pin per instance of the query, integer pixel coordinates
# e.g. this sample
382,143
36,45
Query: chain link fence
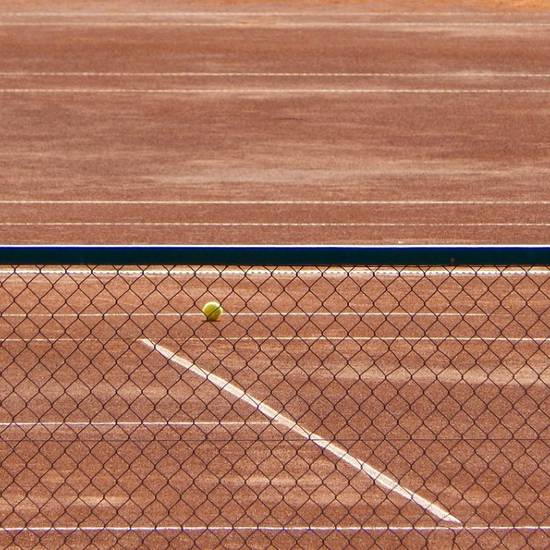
330,405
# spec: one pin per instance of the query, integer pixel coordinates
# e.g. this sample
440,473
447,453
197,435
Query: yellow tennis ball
212,310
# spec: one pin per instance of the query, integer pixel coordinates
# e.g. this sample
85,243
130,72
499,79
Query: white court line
281,74
377,476
282,528
299,273
98,274
221,339
280,24
296,202
32,315
225,274
278,91
274,224
221,273
331,14
146,424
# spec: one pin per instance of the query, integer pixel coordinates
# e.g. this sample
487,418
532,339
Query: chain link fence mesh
334,407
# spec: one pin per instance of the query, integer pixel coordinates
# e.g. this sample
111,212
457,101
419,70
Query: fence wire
374,406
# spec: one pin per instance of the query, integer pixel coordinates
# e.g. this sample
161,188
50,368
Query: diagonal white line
377,476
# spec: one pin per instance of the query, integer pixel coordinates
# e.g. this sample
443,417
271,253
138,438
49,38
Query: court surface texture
335,122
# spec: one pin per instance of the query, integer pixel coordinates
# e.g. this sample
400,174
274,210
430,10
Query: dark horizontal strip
528,255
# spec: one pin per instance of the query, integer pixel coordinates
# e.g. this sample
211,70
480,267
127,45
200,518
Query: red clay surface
380,104
439,381
247,122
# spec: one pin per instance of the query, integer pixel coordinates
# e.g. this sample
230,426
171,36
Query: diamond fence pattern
373,406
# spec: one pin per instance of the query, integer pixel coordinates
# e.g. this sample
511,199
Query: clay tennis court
350,407
304,122
130,421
